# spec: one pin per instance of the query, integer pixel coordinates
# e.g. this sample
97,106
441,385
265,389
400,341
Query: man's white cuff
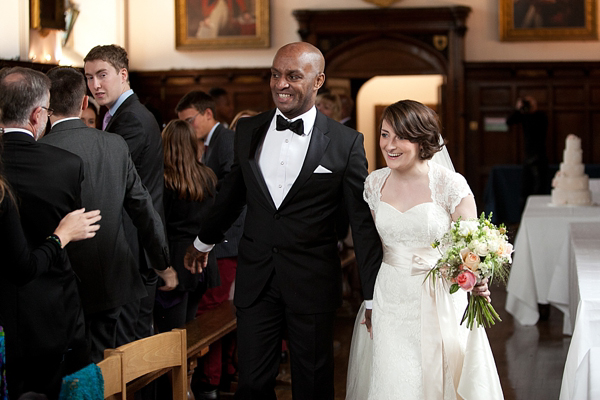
369,304
205,248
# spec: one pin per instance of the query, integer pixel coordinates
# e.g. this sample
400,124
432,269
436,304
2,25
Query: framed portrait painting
522,20
221,24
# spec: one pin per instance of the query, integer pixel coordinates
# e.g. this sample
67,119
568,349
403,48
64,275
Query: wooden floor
530,359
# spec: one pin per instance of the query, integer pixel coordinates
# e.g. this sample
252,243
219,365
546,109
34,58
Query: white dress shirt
280,159
282,154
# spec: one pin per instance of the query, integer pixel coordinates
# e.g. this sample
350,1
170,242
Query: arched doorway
360,44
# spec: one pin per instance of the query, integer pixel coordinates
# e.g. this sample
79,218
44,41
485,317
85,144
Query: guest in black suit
293,177
107,72
107,270
43,319
21,264
198,108
189,193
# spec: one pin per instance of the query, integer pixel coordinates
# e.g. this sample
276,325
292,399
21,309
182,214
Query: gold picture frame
221,24
527,20
47,14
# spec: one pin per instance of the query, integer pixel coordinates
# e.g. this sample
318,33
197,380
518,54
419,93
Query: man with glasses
43,320
198,108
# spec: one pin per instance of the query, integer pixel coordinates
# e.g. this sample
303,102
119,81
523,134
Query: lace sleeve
373,184
449,188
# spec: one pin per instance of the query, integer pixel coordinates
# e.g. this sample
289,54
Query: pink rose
466,280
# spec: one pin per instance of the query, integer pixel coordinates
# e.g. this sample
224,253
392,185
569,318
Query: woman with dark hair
414,201
89,116
189,192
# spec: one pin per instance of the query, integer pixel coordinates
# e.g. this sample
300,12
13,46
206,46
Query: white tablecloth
539,272
582,368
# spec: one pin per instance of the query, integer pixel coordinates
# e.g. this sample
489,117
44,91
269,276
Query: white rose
467,227
493,245
479,248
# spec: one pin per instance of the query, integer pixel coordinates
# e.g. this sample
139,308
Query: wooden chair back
112,372
164,350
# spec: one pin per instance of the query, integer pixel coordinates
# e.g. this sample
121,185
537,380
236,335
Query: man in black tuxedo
293,176
107,72
43,320
107,269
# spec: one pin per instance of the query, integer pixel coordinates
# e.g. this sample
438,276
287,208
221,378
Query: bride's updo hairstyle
417,123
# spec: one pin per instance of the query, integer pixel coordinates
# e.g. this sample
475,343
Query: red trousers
222,351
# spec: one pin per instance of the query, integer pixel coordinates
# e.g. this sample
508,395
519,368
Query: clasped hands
481,289
195,260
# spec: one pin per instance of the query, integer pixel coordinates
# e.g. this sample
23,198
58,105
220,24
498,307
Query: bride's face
398,153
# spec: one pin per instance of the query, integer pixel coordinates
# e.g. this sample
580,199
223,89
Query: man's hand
168,275
367,321
194,260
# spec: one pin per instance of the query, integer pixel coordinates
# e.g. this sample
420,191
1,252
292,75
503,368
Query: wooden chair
112,372
166,350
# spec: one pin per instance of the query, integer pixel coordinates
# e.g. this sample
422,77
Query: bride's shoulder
377,178
446,175
373,185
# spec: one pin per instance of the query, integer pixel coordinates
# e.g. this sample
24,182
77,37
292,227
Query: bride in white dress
419,349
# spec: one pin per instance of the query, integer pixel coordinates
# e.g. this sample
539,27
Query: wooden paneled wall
161,90
569,93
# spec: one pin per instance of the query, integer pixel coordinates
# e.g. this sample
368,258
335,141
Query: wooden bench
201,333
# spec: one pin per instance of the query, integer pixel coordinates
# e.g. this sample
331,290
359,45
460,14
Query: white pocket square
321,170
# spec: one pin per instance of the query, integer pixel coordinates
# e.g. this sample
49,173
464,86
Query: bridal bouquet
473,250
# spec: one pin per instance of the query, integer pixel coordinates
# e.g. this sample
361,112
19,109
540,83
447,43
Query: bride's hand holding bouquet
473,252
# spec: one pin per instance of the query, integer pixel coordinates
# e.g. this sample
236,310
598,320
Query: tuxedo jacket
298,240
219,158
106,266
43,317
134,123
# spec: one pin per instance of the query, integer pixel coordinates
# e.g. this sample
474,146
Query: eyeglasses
191,119
49,110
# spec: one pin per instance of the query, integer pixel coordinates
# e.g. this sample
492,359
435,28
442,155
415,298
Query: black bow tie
297,126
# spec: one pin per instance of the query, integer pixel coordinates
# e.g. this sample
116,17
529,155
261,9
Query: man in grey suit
107,269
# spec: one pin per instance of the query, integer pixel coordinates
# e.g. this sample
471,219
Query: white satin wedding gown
419,349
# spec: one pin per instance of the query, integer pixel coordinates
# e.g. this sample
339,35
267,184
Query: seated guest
330,105
188,195
89,116
43,319
109,279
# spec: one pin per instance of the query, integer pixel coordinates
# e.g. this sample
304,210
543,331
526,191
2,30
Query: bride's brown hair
417,123
184,174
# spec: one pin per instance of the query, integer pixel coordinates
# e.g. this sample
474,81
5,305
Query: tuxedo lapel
316,148
258,134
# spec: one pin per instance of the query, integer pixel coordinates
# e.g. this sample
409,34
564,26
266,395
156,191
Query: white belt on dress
439,325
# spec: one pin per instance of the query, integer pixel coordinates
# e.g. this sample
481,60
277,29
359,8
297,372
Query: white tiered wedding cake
570,184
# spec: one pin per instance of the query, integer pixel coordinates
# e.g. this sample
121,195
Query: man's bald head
296,76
